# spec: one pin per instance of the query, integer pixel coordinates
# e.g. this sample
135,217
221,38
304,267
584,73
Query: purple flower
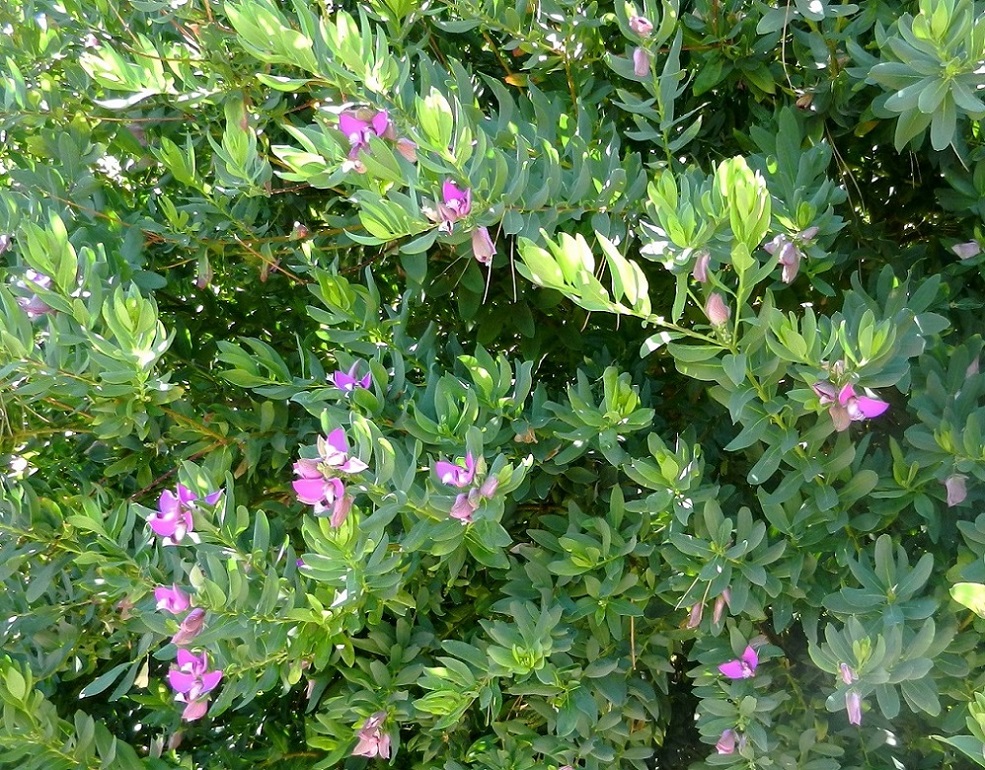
744,667
483,248
172,599
845,407
700,271
456,474
847,673
967,250
464,506
193,681
189,628
360,125
173,519
34,306
373,741
957,491
347,382
641,62
716,310
641,25
853,703
726,743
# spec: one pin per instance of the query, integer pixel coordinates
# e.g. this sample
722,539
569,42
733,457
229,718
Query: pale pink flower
641,25
483,248
190,627
853,703
641,62
847,673
726,743
716,310
373,740
700,271
956,488
967,250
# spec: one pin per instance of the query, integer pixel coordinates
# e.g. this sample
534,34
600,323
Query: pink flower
845,407
641,62
788,256
173,519
483,248
957,491
373,741
456,204
193,681
726,743
456,474
700,271
347,382
641,25
967,250
463,507
847,673
172,600
744,667
716,310
853,703
190,627
360,125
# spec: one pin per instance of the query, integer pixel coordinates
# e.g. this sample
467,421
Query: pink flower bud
717,311
957,491
700,271
407,148
641,63
853,703
694,618
483,248
720,603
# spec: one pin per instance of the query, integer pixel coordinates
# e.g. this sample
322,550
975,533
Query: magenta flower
347,382
641,62
172,599
744,667
455,204
726,743
190,627
700,271
360,125
716,310
641,25
845,407
173,519
373,741
456,474
325,494
483,248
193,681
853,703
847,673
334,452
956,488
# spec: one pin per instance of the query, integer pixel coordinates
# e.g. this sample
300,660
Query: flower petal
871,407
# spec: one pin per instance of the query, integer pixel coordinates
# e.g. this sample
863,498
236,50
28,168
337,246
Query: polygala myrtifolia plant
476,385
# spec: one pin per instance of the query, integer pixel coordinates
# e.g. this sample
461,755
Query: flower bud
957,491
483,248
700,271
641,25
407,148
641,63
717,311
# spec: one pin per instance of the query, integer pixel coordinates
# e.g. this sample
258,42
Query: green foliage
716,388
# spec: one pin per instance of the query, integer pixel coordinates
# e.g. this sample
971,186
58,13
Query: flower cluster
374,741
845,406
361,124
192,682
173,519
461,474
318,484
